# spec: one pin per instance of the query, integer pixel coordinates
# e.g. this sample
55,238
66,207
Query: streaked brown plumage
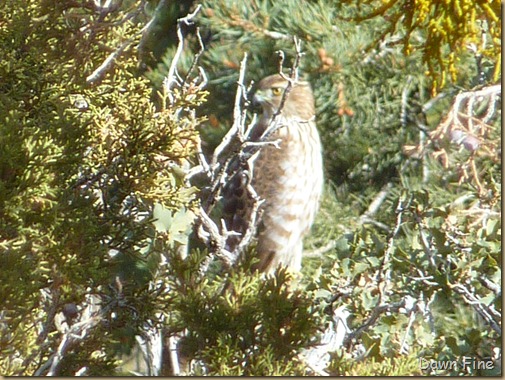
289,178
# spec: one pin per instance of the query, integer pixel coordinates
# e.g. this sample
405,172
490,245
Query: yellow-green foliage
448,28
400,366
81,164
241,323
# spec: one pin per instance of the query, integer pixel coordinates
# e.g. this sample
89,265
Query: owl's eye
276,91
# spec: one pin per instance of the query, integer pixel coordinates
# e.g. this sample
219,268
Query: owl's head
299,102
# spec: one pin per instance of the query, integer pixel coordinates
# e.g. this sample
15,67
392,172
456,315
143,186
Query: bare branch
322,250
260,144
275,123
467,125
174,355
405,99
475,302
101,70
82,371
195,62
412,316
238,120
51,298
276,35
375,315
374,206
318,357
384,276
91,315
77,332
424,240
496,289
173,77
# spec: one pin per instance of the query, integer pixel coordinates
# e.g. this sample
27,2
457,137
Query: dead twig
236,130
474,301
101,70
374,316
373,208
468,125
173,78
293,78
384,276
91,315
322,250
